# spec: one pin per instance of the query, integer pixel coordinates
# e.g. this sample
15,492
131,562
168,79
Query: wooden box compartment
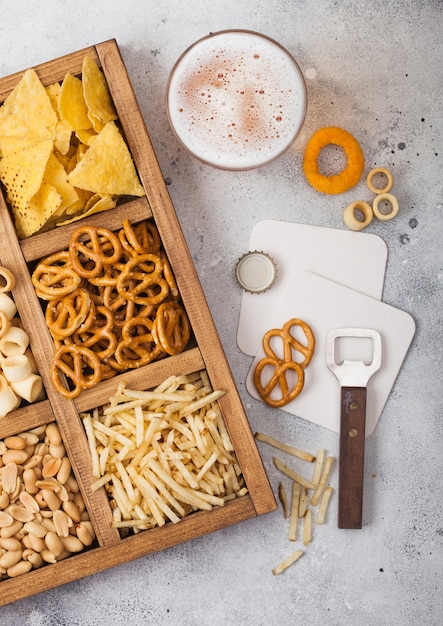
205,351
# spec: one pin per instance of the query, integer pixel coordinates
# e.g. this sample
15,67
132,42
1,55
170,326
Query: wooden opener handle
351,459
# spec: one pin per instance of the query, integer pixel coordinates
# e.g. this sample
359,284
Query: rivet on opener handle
353,377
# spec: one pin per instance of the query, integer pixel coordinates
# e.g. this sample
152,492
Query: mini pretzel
278,379
92,247
99,336
171,329
141,239
137,346
290,342
54,277
80,366
142,280
284,364
74,312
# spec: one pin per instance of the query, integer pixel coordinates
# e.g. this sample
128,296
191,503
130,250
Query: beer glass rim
303,105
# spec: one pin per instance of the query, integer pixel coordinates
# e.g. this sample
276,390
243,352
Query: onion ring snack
336,183
390,199
385,172
349,215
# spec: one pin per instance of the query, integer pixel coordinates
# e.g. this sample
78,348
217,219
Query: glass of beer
236,99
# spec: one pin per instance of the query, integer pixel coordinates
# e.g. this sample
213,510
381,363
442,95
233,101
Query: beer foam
236,99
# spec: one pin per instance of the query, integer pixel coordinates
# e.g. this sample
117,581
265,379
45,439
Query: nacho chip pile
62,156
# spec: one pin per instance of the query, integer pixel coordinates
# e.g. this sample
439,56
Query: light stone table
376,69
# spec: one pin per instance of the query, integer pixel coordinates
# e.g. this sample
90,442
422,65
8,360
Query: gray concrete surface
376,69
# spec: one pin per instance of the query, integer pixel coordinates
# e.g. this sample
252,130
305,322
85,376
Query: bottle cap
255,271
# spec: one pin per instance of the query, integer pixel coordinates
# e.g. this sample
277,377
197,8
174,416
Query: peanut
43,517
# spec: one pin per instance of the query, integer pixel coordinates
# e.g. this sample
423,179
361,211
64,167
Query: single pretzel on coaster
282,365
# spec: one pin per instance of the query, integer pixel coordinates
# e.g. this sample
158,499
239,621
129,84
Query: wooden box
207,353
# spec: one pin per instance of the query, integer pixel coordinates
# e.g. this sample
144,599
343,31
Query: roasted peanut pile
43,518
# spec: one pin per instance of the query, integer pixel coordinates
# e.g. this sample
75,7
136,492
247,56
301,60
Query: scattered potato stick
106,478
283,498
323,480
324,505
293,475
287,562
303,505
293,520
318,466
307,527
305,456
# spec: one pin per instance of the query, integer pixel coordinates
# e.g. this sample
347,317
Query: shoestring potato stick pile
306,494
164,453
112,305
19,377
62,156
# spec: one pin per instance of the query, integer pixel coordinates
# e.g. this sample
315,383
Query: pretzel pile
112,305
277,391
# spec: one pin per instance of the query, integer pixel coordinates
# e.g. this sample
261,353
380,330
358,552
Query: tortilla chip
63,131
96,92
107,167
27,111
71,104
38,211
22,173
55,175
9,145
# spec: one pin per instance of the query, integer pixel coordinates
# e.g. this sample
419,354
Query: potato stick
287,562
207,497
303,505
223,430
106,478
305,456
111,433
174,485
151,494
130,523
92,444
293,518
323,480
204,401
139,426
231,471
149,396
283,499
209,463
190,478
324,505
121,498
159,485
317,467
307,527
155,510
103,456
124,477
293,475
